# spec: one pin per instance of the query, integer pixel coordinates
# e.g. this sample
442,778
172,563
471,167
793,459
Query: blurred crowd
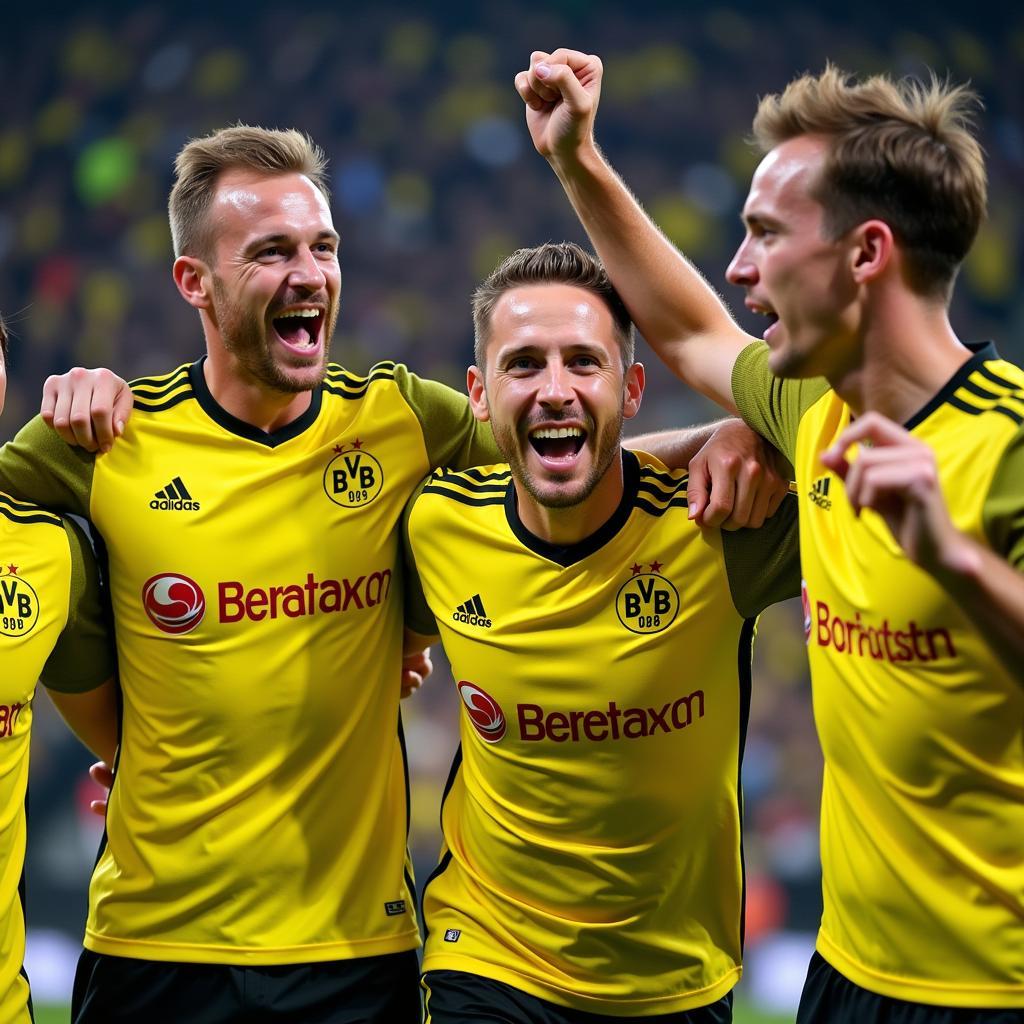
434,180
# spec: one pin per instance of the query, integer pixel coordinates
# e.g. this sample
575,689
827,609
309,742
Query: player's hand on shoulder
561,91
88,408
736,480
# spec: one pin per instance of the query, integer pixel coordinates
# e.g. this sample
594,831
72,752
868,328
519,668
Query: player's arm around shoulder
676,310
79,673
452,435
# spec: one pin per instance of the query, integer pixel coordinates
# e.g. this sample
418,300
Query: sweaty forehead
786,175
245,198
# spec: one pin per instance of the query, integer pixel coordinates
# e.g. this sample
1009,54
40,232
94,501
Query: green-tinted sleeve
770,405
38,466
453,435
418,616
1002,514
83,656
763,565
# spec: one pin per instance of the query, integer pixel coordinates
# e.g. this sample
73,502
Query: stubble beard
244,335
606,448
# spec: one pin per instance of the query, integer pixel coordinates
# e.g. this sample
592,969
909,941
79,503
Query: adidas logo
472,613
819,493
174,497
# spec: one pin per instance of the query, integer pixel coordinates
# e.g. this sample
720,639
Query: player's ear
477,393
871,250
192,276
633,390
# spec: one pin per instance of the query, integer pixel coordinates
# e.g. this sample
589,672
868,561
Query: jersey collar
983,352
568,554
234,425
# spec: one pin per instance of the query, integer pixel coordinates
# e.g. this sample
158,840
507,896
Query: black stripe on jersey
745,656
1002,408
163,382
453,774
982,353
470,487
23,512
168,403
349,385
679,501
467,499
986,371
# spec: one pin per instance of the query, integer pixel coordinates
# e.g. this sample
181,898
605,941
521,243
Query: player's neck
251,402
908,351
565,526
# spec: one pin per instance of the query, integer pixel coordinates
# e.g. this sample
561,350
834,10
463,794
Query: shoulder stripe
344,384
678,501
154,394
155,386
1011,406
477,500
23,512
985,370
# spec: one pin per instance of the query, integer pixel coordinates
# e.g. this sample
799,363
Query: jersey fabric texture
51,626
921,726
259,811
592,853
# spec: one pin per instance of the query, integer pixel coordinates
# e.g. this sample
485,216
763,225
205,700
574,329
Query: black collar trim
569,554
983,352
232,424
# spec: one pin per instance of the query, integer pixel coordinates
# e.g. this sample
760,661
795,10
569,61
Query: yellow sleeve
1003,511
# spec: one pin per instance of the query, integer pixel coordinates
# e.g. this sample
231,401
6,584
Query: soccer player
255,858
909,458
51,627
601,640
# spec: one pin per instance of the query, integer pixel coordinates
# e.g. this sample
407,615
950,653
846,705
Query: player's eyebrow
279,238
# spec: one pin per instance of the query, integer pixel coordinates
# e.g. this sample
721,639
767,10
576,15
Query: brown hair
550,263
900,151
201,162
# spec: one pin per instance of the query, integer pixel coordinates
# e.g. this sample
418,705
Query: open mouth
557,444
299,329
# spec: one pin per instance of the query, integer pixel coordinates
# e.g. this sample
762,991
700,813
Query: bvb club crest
19,603
353,478
647,602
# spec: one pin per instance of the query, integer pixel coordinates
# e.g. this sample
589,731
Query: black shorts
829,998
368,990
453,997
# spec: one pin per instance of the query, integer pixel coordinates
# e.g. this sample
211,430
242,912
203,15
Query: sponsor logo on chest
594,725
176,603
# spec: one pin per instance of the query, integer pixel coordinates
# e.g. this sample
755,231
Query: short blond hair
903,152
201,162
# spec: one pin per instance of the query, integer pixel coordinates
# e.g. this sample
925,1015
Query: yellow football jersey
592,820
259,811
51,626
922,728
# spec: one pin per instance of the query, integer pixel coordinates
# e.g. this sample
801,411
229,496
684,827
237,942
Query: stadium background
434,181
